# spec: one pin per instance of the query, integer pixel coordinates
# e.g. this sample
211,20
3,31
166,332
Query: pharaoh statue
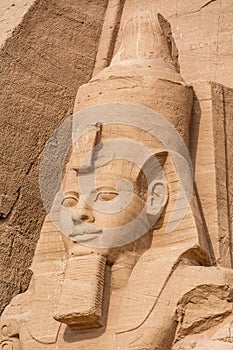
100,282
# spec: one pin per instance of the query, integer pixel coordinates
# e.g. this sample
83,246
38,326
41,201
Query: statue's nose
83,212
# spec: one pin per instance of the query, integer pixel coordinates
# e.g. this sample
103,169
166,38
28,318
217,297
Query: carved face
98,207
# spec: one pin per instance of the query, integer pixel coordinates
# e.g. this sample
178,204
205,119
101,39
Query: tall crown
144,42
142,72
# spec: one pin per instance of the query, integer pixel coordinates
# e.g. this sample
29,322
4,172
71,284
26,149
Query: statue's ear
157,197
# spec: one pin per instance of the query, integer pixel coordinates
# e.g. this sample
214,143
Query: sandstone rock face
11,15
212,121
203,32
43,62
159,291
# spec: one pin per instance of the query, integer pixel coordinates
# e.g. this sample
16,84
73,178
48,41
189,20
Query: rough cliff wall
43,61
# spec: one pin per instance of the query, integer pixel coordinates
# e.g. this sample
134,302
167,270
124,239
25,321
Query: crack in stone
208,3
192,12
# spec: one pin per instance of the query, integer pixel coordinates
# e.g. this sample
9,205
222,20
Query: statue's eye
6,345
106,195
69,202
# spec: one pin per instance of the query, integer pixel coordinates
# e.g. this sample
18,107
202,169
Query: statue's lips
85,235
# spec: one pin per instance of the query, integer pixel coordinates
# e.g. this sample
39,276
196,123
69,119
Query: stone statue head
109,199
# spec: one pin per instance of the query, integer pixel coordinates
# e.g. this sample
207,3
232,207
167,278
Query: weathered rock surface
42,64
203,32
167,297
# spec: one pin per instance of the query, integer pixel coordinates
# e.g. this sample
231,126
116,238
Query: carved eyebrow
71,194
106,188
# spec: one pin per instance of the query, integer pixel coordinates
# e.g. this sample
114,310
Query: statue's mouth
85,235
